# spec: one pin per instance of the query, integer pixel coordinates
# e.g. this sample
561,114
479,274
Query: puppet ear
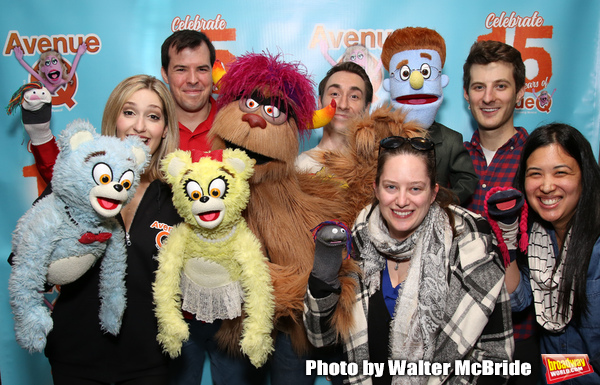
174,164
445,80
239,163
79,138
140,155
386,84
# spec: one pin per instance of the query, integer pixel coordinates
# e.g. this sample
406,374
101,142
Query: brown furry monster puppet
356,164
265,106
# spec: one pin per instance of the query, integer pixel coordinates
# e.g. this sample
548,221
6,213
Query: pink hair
286,83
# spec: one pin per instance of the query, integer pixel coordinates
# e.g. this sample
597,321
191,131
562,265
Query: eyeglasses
417,142
404,72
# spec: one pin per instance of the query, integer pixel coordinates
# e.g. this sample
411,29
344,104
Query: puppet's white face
35,98
415,84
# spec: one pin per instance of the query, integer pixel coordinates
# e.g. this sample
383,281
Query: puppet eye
425,71
360,56
352,58
193,190
127,179
217,188
272,111
404,72
47,63
252,104
274,115
102,173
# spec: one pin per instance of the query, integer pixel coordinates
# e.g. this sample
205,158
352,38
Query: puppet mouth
53,75
417,99
108,204
259,158
209,216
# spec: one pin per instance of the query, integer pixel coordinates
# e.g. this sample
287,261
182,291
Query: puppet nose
416,80
204,199
254,120
118,187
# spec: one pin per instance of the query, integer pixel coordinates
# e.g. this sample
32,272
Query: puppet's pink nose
254,120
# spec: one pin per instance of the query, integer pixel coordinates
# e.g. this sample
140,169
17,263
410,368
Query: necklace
396,267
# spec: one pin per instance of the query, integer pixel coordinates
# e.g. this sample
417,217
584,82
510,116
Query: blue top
583,338
390,293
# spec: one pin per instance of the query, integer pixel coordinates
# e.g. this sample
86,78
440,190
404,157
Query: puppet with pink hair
265,106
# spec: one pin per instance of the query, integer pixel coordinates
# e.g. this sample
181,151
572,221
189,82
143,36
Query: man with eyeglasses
414,57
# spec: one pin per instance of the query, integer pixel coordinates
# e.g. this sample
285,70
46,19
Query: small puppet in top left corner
36,110
52,71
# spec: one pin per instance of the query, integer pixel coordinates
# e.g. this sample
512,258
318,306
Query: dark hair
354,68
186,38
444,196
585,223
489,51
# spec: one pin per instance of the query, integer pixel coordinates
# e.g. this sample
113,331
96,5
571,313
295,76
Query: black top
77,345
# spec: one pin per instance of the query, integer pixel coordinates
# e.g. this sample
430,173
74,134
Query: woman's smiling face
405,194
553,184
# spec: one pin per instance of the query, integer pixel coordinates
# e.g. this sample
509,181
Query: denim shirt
582,338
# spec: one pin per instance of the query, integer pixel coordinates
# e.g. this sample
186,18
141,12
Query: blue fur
49,232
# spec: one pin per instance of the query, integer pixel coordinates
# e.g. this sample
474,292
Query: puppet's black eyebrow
94,154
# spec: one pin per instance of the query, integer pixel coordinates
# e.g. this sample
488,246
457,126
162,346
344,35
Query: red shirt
197,139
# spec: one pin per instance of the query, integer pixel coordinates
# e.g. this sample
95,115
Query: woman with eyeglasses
431,287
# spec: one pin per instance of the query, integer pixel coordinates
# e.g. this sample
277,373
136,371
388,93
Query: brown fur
356,165
281,215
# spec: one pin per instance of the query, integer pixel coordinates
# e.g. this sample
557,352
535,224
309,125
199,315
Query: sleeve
463,179
45,158
317,316
522,297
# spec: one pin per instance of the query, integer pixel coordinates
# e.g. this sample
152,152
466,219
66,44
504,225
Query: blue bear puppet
65,233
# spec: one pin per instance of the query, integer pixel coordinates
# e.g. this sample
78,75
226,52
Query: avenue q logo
562,367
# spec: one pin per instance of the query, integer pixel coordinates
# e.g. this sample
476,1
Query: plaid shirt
477,313
500,173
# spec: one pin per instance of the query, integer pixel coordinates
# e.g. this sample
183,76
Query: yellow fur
230,244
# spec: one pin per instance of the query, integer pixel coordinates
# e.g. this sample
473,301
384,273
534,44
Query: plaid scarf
420,303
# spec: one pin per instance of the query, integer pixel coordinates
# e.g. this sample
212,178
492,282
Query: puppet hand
329,244
81,49
504,206
18,53
172,338
32,331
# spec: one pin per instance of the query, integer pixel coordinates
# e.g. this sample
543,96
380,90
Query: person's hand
330,241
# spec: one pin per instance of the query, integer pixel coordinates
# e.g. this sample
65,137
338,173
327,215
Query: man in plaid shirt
494,83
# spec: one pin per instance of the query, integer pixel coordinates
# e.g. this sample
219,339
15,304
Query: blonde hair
121,94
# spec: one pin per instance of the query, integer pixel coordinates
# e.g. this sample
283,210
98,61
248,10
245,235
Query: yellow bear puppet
212,265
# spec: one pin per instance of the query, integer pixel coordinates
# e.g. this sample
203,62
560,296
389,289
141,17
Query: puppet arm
112,290
324,47
172,328
259,303
80,51
19,55
28,276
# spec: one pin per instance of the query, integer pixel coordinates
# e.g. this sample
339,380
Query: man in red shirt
187,58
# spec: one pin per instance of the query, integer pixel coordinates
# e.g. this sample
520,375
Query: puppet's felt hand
33,328
173,336
81,49
18,53
257,347
329,244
